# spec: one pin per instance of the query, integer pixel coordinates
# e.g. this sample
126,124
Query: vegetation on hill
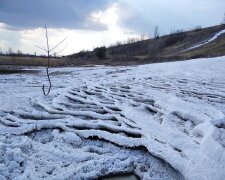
173,47
170,47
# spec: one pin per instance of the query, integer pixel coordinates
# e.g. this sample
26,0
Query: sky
91,23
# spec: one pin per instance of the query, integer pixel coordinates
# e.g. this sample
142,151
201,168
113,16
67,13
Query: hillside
197,43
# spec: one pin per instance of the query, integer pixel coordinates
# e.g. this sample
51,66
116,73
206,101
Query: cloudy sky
92,23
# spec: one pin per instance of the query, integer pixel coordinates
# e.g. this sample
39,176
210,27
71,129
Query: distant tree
82,53
19,52
175,38
144,36
198,28
10,51
118,43
131,40
156,32
179,31
100,52
224,18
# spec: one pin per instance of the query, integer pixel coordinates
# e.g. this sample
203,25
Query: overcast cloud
69,14
102,21
144,15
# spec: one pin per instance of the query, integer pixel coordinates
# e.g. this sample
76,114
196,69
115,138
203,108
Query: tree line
19,53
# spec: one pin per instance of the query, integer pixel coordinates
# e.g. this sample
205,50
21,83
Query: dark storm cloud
71,14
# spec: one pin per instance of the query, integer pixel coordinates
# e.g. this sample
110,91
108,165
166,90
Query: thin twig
60,50
49,80
41,48
58,44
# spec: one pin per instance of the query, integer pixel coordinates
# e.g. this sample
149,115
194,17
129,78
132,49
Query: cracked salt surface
160,121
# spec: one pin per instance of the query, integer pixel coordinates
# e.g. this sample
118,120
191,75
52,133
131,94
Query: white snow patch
96,119
206,42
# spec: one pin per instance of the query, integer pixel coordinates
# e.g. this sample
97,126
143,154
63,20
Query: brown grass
31,61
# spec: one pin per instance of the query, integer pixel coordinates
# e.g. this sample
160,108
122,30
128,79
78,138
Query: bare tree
19,52
131,40
144,36
224,18
156,32
10,51
48,51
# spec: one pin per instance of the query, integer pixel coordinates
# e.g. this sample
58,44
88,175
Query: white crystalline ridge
97,121
206,42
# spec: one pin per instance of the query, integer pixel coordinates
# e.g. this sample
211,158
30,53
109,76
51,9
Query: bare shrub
156,32
175,38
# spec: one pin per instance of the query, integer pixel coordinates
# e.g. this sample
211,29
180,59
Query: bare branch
41,48
60,50
58,44
46,35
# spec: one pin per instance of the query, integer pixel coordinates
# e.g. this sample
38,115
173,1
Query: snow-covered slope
97,121
206,42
